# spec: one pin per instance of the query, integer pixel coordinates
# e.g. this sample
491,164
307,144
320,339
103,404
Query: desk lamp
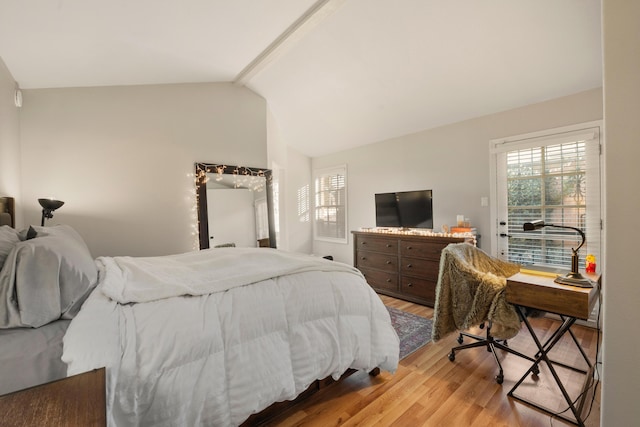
573,278
48,206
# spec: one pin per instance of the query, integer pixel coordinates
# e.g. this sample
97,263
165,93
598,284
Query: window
553,176
303,204
331,204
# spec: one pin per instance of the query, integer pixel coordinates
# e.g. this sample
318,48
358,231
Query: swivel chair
470,292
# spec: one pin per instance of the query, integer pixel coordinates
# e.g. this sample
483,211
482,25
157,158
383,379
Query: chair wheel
499,378
460,339
535,371
452,356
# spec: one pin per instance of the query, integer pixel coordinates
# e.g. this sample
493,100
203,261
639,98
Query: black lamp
48,206
573,278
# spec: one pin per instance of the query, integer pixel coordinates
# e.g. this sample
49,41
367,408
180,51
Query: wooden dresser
401,265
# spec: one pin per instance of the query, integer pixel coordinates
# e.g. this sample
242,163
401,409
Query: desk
79,400
570,303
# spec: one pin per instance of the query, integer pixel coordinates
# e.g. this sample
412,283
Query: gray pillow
28,233
50,277
8,239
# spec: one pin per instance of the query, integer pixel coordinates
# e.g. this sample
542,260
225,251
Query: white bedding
217,358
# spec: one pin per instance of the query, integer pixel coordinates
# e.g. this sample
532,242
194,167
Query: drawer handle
409,248
388,245
388,280
410,284
363,258
388,262
409,265
363,243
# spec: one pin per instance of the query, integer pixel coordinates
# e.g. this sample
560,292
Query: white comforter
235,348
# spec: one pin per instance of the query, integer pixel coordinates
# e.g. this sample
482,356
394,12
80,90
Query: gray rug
414,331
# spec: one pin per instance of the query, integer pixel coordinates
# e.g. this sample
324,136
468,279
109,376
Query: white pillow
8,239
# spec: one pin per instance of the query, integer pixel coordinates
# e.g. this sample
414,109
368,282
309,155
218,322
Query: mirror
235,206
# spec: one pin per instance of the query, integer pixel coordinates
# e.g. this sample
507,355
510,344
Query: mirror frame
201,171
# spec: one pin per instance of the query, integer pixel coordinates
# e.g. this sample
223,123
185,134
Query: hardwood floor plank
430,390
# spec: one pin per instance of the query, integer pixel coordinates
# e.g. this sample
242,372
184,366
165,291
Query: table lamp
48,207
573,278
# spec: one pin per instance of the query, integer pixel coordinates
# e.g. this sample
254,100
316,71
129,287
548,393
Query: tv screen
406,209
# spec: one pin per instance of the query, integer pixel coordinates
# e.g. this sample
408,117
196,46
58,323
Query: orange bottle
590,263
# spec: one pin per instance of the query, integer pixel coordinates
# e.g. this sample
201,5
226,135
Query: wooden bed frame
278,408
7,205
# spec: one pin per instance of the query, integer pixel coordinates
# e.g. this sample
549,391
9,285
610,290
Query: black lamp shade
533,225
50,204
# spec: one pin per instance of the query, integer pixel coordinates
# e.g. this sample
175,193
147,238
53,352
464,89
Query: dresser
401,265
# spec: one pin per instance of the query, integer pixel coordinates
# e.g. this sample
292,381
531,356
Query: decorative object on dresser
402,264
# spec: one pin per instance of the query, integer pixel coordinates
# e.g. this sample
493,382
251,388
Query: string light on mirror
253,179
223,176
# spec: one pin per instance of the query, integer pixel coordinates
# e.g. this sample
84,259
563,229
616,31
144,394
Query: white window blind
554,177
331,204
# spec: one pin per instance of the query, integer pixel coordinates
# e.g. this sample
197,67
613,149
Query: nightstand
79,400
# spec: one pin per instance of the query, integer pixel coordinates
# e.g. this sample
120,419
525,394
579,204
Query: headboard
7,211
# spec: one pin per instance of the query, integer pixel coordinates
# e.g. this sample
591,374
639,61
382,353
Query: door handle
505,235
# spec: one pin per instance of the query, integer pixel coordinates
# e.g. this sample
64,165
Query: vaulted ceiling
335,73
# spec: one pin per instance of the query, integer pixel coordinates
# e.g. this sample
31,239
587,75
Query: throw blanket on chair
471,290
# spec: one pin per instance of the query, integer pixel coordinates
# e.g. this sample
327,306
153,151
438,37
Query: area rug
414,331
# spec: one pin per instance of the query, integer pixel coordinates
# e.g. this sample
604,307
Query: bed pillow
28,233
49,278
8,239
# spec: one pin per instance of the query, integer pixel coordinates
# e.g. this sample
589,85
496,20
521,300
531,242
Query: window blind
331,204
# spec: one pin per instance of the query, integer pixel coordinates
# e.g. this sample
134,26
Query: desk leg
584,355
543,350
556,336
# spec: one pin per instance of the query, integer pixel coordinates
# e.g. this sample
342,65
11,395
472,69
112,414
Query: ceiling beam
305,23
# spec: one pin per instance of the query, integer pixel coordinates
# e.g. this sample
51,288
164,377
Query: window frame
317,174
546,138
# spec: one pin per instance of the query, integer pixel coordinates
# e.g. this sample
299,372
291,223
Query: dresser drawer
377,244
387,262
424,268
381,279
420,288
428,250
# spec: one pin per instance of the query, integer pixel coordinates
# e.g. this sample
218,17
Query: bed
203,338
28,356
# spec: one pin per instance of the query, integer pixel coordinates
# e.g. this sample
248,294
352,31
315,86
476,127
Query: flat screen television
405,209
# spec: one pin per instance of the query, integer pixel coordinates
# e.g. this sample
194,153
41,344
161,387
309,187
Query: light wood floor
429,390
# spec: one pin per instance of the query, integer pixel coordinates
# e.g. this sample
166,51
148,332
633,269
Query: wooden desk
542,293
79,400
570,302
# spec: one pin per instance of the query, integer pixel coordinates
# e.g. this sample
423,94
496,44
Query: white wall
291,171
453,161
621,377
121,158
300,232
9,141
